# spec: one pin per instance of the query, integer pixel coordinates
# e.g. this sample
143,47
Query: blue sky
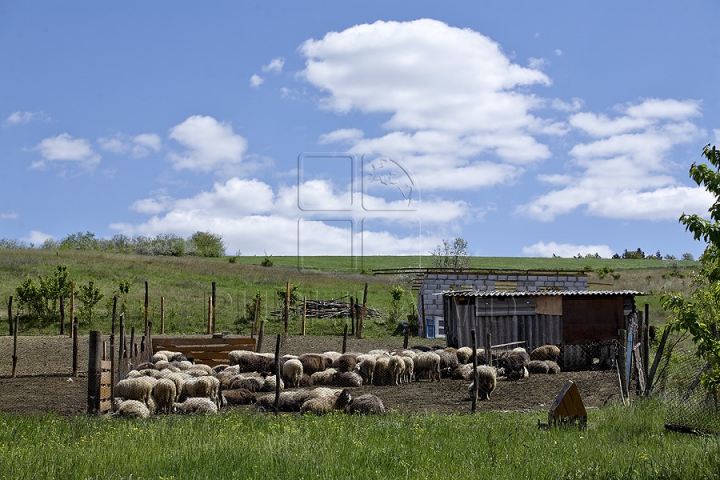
528,129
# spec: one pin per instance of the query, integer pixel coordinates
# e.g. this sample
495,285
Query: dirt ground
44,381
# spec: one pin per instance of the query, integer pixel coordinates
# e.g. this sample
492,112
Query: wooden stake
75,347
94,371
256,315
622,361
277,375
62,315
261,334
287,307
209,316
162,315
147,304
362,312
121,349
14,355
304,316
112,351
352,316
344,347
488,349
475,371
656,362
214,306
72,306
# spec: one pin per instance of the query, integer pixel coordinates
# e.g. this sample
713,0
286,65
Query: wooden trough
210,351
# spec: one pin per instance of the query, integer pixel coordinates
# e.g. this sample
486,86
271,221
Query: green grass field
620,442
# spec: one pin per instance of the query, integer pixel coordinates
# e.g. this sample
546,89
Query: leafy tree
451,254
699,314
397,293
208,244
80,241
89,296
41,299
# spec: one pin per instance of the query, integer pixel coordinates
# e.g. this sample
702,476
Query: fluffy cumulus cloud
542,249
209,145
253,218
455,102
256,80
65,148
626,171
138,146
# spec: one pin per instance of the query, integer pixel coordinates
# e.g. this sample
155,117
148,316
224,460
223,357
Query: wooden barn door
588,319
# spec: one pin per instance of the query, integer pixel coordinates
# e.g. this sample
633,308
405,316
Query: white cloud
9,216
558,52
252,218
209,145
626,173
343,135
37,237
65,148
450,93
19,118
275,65
256,80
573,106
542,249
536,63
138,146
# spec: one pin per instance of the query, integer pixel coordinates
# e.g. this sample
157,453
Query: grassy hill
185,284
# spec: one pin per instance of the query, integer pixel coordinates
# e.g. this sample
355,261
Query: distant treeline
201,244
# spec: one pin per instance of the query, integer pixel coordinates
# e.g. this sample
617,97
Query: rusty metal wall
534,330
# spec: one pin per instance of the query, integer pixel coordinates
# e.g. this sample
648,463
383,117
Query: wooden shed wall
592,319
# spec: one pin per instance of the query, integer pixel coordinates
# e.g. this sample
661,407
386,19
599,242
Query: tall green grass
620,442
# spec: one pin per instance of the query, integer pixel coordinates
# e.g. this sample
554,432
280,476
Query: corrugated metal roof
539,293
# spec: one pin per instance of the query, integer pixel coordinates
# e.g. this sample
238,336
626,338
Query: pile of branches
328,309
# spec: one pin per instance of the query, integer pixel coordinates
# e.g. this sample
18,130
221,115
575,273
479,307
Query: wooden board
206,350
568,406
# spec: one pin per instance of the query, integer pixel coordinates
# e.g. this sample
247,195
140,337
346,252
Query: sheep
253,384
165,393
396,367
136,389
381,373
313,362
159,357
332,355
206,386
546,352
345,363
427,363
327,404
132,409
379,352
195,405
235,355
448,362
324,377
301,396
537,366
252,362
553,367
271,384
366,368
487,380
463,372
306,381
239,396
464,354
169,356
366,404
292,372
200,367
514,365
347,379
421,348
286,403
179,380
409,369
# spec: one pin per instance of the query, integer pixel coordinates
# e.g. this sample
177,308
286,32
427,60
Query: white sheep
195,405
366,404
132,409
271,384
464,354
323,378
366,368
381,373
136,389
409,369
165,393
427,363
328,403
396,367
293,371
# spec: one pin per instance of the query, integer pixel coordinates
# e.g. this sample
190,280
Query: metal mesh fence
689,404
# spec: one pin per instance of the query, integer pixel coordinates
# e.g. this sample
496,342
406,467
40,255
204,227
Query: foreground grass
620,442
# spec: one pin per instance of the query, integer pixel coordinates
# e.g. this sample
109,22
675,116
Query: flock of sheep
172,383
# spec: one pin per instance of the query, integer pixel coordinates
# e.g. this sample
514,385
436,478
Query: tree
699,314
89,296
451,254
208,244
41,299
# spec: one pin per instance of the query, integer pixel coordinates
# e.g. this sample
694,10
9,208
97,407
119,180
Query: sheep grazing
546,352
345,363
324,377
463,372
195,405
292,371
514,365
328,403
366,368
553,367
132,409
165,393
537,366
396,366
409,369
136,389
239,396
207,387
487,380
448,361
347,379
427,364
381,373
365,405
313,363
464,355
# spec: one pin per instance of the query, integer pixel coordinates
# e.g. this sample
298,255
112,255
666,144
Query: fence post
646,343
277,374
214,306
162,315
656,362
94,371
622,361
10,315
62,315
261,334
209,316
488,349
352,316
14,355
112,352
344,347
121,350
362,312
475,371
72,307
287,306
304,316
147,304
256,315
75,347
